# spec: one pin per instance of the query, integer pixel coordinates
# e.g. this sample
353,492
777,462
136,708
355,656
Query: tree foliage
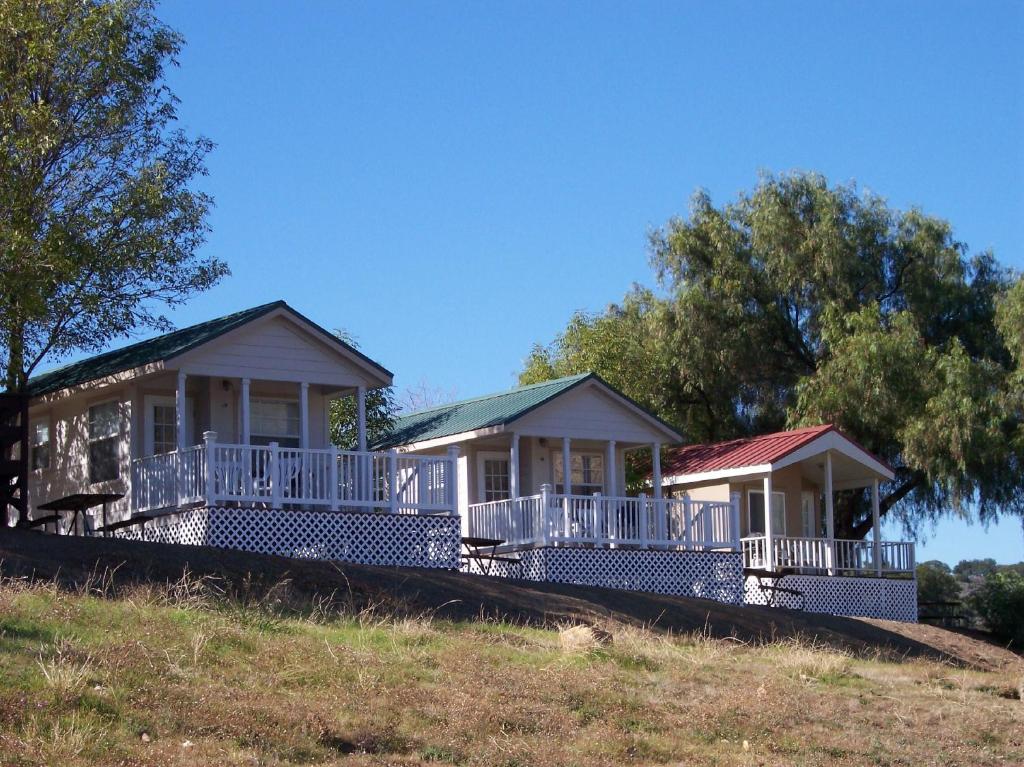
1000,603
99,221
803,302
381,409
935,582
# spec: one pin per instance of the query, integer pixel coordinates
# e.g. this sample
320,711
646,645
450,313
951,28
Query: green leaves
803,303
99,221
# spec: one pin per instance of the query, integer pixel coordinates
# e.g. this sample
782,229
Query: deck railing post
599,514
210,441
566,517
734,508
332,477
545,523
451,480
274,472
687,521
393,481
643,520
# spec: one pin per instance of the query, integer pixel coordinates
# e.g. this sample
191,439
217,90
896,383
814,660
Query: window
496,486
104,435
755,513
274,420
587,475
40,444
165,429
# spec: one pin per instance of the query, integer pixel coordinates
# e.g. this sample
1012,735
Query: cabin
219,433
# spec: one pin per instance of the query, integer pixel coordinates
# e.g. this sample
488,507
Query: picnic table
135,519
474,550
772,589
77,504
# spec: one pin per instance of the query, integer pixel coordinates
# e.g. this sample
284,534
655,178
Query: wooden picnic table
78,504
135,519
773,589
474,551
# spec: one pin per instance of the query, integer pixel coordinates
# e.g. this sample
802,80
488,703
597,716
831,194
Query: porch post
179,412
830,519
876,534
769,549
612,484
513,471
566,486
304,415
361,417
246,426
660,509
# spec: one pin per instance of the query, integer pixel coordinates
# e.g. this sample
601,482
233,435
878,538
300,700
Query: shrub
1000,603
935,583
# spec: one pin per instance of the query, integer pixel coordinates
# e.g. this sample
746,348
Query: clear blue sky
450,181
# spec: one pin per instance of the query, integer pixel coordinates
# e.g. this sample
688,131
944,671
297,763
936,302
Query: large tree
803,302
99,219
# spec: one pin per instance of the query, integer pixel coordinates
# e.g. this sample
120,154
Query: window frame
556,456
284,440
115,437
750,509
33,445
482,457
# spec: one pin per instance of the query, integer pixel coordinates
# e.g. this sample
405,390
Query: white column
613,475
513,470
769,548
361,417
566,466
656,464
246,436
179,412
830,519
304,415
876,533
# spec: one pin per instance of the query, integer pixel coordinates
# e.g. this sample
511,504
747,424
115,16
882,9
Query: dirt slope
466,597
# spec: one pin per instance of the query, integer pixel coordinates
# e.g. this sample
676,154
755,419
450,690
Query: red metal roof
738,453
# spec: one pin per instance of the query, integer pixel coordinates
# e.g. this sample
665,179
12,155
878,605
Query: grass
189,674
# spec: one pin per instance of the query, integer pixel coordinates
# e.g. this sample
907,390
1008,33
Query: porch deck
276,477
827,556
639,522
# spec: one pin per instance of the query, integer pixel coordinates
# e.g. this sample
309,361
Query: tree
805,303
1000,603
935,583
344,415
966,569
99,221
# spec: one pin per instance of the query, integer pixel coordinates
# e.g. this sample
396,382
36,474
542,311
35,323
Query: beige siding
589,413
273,350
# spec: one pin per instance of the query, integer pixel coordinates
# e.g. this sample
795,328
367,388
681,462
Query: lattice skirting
704,574
407,540
887,598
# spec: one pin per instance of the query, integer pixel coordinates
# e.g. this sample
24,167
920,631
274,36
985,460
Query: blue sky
450,181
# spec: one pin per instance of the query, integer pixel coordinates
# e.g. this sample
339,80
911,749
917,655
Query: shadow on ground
74,561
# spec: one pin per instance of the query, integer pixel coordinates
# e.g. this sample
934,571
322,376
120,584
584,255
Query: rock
583,638
144,737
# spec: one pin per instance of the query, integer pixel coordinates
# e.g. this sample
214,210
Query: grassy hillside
202,670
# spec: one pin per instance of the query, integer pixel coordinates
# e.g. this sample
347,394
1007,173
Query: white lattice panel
889,598
708,575
407,540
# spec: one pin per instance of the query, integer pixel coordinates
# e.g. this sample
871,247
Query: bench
772,590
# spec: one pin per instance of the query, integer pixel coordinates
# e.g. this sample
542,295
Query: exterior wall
588,413
705,575
274,350
407,540
887,598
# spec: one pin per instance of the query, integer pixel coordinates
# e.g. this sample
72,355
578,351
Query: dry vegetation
187,674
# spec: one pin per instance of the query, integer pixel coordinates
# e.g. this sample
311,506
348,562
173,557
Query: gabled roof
740,453
488,411
165,347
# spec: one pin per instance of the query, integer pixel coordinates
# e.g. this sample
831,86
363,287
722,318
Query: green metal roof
161,348
483,412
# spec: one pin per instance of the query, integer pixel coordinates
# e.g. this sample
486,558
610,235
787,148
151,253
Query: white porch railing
823,555
600,520
275,476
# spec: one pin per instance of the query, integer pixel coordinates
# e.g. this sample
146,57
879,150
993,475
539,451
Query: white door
807,516
161,424
492,471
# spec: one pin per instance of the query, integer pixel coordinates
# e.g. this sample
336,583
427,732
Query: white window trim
118,435
807,495
32,445
167,400
775,493
557,455
273,437
489,455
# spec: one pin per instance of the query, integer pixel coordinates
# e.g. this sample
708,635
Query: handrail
832,556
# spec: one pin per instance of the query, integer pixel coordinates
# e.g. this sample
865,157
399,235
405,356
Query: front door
161,424
807,515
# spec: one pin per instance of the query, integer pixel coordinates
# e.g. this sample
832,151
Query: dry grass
193,673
